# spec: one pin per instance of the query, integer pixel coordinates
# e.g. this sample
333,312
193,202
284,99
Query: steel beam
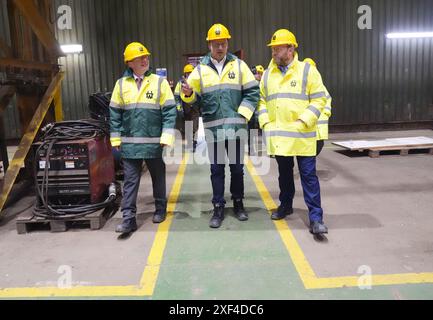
29,136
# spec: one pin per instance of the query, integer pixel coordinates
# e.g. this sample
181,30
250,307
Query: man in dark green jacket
228,94
142,120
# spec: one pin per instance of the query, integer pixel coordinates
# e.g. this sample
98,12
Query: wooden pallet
28,222
404,151
403,145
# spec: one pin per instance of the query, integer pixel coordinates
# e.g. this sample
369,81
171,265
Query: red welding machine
79,171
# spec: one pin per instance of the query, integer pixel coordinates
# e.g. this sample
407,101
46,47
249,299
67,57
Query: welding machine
74,169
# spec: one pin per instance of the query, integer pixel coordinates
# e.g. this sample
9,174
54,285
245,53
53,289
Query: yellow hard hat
310,61
260,69
188,68
218,32
135,50
283,36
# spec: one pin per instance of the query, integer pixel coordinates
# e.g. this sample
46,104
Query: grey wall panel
372,79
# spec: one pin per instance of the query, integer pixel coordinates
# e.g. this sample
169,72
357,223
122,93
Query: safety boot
281,213
317,227
217,217
238,208
127,226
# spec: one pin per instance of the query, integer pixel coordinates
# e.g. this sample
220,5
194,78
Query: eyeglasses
217,45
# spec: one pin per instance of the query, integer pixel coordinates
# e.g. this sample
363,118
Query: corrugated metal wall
372,79
10,116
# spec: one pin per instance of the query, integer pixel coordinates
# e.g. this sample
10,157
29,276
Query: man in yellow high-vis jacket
188,114
292,97
142,120
228,94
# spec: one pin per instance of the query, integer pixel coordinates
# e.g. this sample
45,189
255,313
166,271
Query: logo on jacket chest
149,94
293,83
232,75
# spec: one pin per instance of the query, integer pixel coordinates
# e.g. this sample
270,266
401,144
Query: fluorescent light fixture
71,48
409,35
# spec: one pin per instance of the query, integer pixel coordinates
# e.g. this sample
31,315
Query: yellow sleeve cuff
189,100
263,120
167,138
245,112
115,142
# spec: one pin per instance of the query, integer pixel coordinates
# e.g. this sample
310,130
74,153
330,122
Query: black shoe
159,216
127,226
238,208
217,217
281,213
317,227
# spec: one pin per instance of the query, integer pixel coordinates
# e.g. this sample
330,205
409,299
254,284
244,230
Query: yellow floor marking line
303,267
149,277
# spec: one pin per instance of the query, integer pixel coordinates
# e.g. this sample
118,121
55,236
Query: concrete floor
378,212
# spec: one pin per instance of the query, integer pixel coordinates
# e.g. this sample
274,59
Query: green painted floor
241,260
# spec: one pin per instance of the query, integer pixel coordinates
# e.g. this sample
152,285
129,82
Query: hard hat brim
279,43
219,38
137,56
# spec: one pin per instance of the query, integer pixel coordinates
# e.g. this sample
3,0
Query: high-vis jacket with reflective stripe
227,102
322,123
299,94
142,119
180,104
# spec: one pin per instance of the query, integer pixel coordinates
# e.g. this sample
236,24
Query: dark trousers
132,175
309,180
320,144
217,156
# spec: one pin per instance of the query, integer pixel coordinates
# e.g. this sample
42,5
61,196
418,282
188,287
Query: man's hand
186,89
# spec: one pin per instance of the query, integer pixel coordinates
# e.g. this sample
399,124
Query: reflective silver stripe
328,97
221,122
169,103
305,78
317,95
222,87
261,112
201,79
288,134
121,88
314,110
158,95
323,122
240,72
265,83
168,131
250,85
248,105
115,134
328,108
133,106
140,140
297,96
115,105
177,95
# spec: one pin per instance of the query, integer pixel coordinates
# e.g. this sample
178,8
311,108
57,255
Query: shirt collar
284,69
137,77
218,63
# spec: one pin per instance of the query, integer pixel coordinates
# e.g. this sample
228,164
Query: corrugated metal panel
10,116
372,79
